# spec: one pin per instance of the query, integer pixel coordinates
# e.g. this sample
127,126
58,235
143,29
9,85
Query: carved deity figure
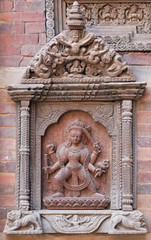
108,13
134,14
75,161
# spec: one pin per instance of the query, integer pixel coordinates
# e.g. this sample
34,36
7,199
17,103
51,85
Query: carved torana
76,53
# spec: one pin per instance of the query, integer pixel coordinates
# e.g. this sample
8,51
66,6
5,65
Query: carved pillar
127,197
24,156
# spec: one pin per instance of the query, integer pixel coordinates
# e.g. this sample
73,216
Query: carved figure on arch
74,161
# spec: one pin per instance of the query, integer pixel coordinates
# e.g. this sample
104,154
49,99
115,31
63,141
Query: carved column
24,156
127,197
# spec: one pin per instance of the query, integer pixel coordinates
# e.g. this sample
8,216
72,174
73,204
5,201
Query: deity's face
75,136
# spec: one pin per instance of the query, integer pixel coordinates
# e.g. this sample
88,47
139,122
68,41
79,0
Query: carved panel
132,20
104,114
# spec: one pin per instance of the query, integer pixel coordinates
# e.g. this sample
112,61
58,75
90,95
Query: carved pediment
76,53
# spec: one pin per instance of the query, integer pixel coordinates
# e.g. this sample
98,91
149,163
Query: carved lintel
24,156
127,198
75,222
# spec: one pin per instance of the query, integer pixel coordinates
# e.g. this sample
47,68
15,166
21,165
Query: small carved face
75,136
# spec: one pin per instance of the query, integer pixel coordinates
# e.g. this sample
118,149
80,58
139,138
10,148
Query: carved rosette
24,156
127,161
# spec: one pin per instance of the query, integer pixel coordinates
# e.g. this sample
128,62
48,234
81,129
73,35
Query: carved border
50,33
18,141
113,129
116,179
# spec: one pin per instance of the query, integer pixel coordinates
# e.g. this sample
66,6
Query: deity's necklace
75,149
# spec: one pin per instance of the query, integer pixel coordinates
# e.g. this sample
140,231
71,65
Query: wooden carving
75,162
77,53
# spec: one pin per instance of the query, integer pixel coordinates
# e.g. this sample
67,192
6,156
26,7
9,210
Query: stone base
75,222
76,203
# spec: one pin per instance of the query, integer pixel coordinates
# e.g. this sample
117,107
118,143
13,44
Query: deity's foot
97,195
58,194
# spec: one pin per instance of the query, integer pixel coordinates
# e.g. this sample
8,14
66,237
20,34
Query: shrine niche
75,138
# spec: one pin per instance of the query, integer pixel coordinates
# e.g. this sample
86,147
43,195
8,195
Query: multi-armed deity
74,168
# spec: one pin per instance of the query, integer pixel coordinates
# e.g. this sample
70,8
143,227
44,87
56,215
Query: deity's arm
91,167
90,37
94,156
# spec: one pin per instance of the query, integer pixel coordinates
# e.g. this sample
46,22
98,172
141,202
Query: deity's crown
75,18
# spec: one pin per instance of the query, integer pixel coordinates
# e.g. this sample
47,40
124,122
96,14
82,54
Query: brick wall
22,33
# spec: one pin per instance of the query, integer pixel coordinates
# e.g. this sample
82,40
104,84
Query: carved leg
58,182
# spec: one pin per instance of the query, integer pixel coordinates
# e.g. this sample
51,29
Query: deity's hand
50,148
96,148
48,170
98,172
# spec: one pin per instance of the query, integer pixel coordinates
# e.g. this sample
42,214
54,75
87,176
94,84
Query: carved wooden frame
105,88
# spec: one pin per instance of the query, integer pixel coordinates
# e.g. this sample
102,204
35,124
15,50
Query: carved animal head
14,215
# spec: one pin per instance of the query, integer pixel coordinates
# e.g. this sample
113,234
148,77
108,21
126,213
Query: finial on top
75,18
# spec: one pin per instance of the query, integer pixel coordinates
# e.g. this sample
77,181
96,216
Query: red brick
23,17
144,188
7,178
30,50
42,38
144,141
26,61
35,27
144,129
143,117
10,61
23,6
3,212
4,96
144,165
8,120
7,132
7,201
144,177
144,153
137,58
7,155
7,144
8,167
6,6
7,50
7,108
11,28
7,189
19,39
2,225
143,201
